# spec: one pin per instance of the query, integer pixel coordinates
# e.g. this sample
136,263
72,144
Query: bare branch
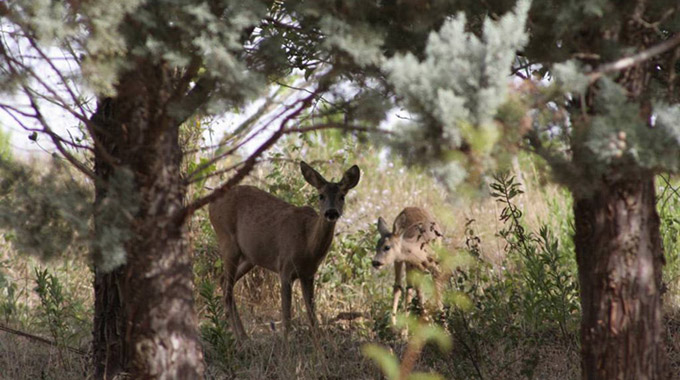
57,140
340,126
248,164
39,338
194,99
636,59
246,124
317,127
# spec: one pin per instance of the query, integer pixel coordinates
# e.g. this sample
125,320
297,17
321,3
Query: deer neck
321,237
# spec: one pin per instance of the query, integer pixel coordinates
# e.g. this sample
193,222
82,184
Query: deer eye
386,248
342,197
322,197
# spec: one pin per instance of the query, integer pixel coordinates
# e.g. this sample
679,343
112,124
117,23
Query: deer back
264,227
412,231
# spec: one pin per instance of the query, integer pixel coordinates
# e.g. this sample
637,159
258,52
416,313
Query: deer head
331,194
389,246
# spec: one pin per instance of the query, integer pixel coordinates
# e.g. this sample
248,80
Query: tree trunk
163,336
110,357
145,324
620,260
109,349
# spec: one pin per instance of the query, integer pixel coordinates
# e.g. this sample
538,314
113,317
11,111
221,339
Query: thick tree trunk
145,324
109,349
162,334
110,357
620,260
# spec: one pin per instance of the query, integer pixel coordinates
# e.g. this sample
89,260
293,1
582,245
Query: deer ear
350,178
382,227
312,176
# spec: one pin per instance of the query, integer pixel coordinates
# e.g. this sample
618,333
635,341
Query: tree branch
40,339
340,126
56,140
197,96
248,164
635,59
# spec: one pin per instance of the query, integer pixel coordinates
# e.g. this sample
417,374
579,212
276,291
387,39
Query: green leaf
384,358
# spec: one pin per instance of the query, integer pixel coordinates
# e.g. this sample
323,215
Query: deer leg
308,294
398,290
413,288
231,257
244,266
286,294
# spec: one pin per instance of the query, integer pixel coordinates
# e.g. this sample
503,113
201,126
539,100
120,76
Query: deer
408,247
255,228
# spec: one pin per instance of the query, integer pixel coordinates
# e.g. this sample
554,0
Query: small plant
550,292
522,305
423,333
52,304
9,300
214,329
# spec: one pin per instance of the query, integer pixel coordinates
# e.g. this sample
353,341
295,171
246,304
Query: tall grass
510,306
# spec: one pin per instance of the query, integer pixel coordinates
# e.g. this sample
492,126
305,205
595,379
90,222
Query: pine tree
607,122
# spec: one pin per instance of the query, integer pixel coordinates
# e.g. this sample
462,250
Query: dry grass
24,359
334,351
327,353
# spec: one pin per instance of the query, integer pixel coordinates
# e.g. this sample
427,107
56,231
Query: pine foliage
457,89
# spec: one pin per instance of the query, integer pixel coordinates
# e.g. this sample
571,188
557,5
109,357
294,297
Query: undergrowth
511,299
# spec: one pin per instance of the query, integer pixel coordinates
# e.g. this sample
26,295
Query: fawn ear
350,178
382,227
312,176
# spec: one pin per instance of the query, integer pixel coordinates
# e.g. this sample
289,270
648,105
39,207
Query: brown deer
255,228
407,246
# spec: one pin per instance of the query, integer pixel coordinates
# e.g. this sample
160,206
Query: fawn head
389,246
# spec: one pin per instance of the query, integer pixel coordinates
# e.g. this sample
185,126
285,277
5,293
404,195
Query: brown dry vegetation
352,301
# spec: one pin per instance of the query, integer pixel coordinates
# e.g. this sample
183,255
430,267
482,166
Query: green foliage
422,333
349,260
214,327
114,214
46,213
535,299
660,146
456,91
361,41
60,312
9,296
546,272
668,206
52,302
384,358
5,147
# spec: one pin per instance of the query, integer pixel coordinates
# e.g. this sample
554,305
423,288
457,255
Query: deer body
254,228
408,247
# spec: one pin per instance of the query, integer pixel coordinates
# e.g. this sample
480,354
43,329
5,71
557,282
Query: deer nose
376,264
332,215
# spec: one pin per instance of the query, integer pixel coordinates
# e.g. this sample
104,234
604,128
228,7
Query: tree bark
163,335
145,324
620,260
109,354
109,349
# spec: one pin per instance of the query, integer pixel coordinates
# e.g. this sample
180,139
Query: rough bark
145,323
109,355
109,349
620,260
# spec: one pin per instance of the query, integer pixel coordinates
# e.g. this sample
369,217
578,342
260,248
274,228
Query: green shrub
531,302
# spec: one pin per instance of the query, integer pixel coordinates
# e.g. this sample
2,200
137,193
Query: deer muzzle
332,215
